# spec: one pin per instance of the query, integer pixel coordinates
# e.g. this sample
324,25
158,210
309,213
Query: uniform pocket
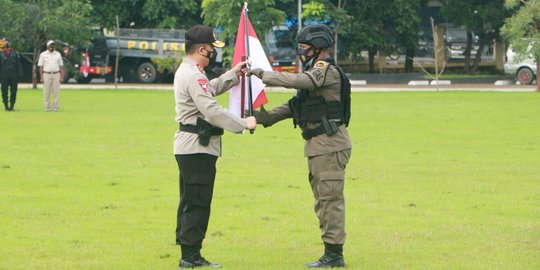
331,185
200,189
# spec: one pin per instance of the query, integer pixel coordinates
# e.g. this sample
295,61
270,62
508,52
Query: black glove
261,116
257,72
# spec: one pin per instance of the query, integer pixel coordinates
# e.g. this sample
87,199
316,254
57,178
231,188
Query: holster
330,127
204,129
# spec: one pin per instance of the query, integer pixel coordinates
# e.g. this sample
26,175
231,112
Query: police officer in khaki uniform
197,144
322,110
51,67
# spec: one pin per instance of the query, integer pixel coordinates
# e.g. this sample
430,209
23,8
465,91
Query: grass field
437,180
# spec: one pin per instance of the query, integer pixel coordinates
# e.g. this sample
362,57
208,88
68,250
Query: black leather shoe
198,262
328,262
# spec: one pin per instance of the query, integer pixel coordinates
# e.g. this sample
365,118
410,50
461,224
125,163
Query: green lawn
437,180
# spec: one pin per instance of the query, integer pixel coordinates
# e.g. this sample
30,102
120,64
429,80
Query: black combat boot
333,257
6,106
11,106
191,258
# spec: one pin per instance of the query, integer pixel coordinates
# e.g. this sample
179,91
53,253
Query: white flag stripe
258,60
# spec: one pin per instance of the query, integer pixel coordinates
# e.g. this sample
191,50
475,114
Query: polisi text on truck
145,45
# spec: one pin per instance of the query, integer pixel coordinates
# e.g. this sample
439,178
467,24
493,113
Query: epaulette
201,69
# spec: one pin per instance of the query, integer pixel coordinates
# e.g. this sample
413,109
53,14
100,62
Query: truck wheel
146,73
82,79
525,76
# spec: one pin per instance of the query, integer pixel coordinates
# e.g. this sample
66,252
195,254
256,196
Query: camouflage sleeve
224,82
311,79
201,91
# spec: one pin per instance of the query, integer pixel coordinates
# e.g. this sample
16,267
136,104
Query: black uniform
10,72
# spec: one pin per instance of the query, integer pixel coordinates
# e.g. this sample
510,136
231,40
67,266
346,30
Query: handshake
257,72
260,116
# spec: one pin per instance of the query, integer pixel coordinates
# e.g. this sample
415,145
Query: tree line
361,25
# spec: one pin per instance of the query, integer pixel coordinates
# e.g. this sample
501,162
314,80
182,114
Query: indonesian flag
258,60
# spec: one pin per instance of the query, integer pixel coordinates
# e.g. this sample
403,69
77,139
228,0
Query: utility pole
299,28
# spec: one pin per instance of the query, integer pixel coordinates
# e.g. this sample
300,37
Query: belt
195,129
310,133
51,72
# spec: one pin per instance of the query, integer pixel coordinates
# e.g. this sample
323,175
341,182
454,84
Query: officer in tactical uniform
321,108
197,144
10,72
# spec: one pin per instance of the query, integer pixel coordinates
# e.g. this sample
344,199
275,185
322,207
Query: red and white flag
258,60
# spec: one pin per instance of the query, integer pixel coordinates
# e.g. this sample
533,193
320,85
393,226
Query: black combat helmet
317,35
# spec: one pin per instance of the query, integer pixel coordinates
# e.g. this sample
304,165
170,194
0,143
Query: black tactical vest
9,62
315,109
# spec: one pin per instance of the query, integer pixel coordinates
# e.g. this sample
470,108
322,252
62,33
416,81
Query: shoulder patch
321,64
204,84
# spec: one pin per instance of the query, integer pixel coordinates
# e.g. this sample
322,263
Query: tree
225,16
481,17
178,14
522,30
10,26
329,12
382,26
34,22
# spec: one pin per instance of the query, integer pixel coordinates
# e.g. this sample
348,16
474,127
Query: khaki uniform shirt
195,96
51,62
322,80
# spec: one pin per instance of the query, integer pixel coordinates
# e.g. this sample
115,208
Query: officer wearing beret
322,110
10,73
197,144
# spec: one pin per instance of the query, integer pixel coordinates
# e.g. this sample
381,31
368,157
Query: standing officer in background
51,69
10,72
322,110
197,144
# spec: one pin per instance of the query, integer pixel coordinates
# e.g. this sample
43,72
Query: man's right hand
240,68
261,116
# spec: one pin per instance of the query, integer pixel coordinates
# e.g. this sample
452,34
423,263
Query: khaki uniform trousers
327,180
51,81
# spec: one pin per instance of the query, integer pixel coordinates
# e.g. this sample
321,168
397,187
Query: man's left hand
257,72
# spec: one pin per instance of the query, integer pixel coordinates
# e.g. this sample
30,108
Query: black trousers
9,81
197,175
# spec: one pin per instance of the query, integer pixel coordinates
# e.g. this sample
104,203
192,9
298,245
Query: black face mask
304,58
302,54
212,56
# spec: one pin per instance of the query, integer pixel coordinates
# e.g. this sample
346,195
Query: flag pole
243,92
250,92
